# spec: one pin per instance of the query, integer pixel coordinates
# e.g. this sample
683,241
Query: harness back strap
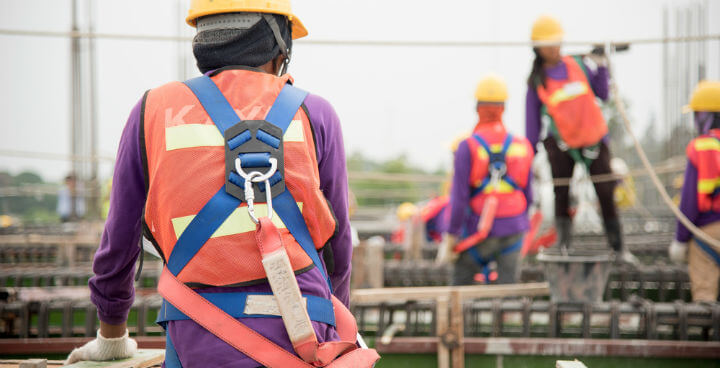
485,263
711,252
213,215
494,158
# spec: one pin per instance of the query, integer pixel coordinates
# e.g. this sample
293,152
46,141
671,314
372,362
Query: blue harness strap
709,250
485,263
319,309
495,159
222,204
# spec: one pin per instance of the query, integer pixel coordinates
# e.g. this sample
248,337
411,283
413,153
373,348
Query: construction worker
700,201
238,180
490,166
561,109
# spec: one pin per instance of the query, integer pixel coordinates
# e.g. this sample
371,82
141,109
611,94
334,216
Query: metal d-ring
257,177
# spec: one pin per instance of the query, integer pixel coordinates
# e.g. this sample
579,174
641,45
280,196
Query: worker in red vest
490,166
561,109
700,201
237,179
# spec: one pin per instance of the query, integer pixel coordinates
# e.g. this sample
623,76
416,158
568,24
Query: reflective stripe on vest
186,165
572,106
704,153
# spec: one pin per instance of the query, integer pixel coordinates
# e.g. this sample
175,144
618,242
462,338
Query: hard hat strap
270,19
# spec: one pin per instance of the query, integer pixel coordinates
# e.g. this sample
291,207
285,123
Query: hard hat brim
298,28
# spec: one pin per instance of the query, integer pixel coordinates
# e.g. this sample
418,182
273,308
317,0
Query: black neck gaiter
256,46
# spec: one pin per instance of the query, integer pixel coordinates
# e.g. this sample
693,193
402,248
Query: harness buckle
257,177
498,170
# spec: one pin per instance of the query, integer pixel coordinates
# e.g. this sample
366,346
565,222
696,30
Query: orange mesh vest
186,167
519,156
572,106
704,154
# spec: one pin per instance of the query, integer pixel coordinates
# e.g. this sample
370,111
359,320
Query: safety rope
389,43
697,232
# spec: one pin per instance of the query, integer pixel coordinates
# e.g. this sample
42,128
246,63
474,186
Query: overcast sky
391,100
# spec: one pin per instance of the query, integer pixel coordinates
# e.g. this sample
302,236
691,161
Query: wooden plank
401,294
569,364
143,359
456,327
63,345
562,347
441,320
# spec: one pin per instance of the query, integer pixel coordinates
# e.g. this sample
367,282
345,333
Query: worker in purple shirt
700,201
489,163
249,45
562,111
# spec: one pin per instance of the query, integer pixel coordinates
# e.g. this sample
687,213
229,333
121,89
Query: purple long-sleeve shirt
112,289
463,221
599,82
689,205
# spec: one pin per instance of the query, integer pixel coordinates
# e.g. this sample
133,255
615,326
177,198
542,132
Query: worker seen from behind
490,193
562,110
238,179
700,200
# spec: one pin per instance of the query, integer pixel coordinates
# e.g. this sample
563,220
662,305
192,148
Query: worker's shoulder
165,88
704,142
320,110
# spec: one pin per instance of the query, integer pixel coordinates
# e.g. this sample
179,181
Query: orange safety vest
518,158
704,154
572,106
186,166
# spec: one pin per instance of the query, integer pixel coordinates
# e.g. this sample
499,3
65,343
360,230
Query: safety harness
497,172
584,155
254,167
711,252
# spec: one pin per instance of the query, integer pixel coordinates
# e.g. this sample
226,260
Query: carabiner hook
257,177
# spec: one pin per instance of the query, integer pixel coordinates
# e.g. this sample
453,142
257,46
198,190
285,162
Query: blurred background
400,74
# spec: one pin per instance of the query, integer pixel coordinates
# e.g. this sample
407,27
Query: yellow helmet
491,88
547,28
406,211
706,97
200,8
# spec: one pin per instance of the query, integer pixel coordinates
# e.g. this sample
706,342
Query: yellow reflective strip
481,153
707,144
707,186
205,135
517,149
294,132
192,135
237,223
568,92
503,188
496,148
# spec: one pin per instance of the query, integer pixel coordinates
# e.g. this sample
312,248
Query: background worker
700,201
561,109
171,163
489,153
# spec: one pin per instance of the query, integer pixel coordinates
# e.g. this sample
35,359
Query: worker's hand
104,349
678,251
599,60
445,252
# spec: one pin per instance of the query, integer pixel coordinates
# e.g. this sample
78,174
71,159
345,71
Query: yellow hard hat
706,97
406,211
547,28
200,8
491,88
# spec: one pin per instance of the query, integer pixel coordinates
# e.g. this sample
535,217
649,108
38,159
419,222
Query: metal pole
76,107
94,200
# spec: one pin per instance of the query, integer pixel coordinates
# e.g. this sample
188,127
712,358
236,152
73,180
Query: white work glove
678,251
599,60
104,349
445,251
